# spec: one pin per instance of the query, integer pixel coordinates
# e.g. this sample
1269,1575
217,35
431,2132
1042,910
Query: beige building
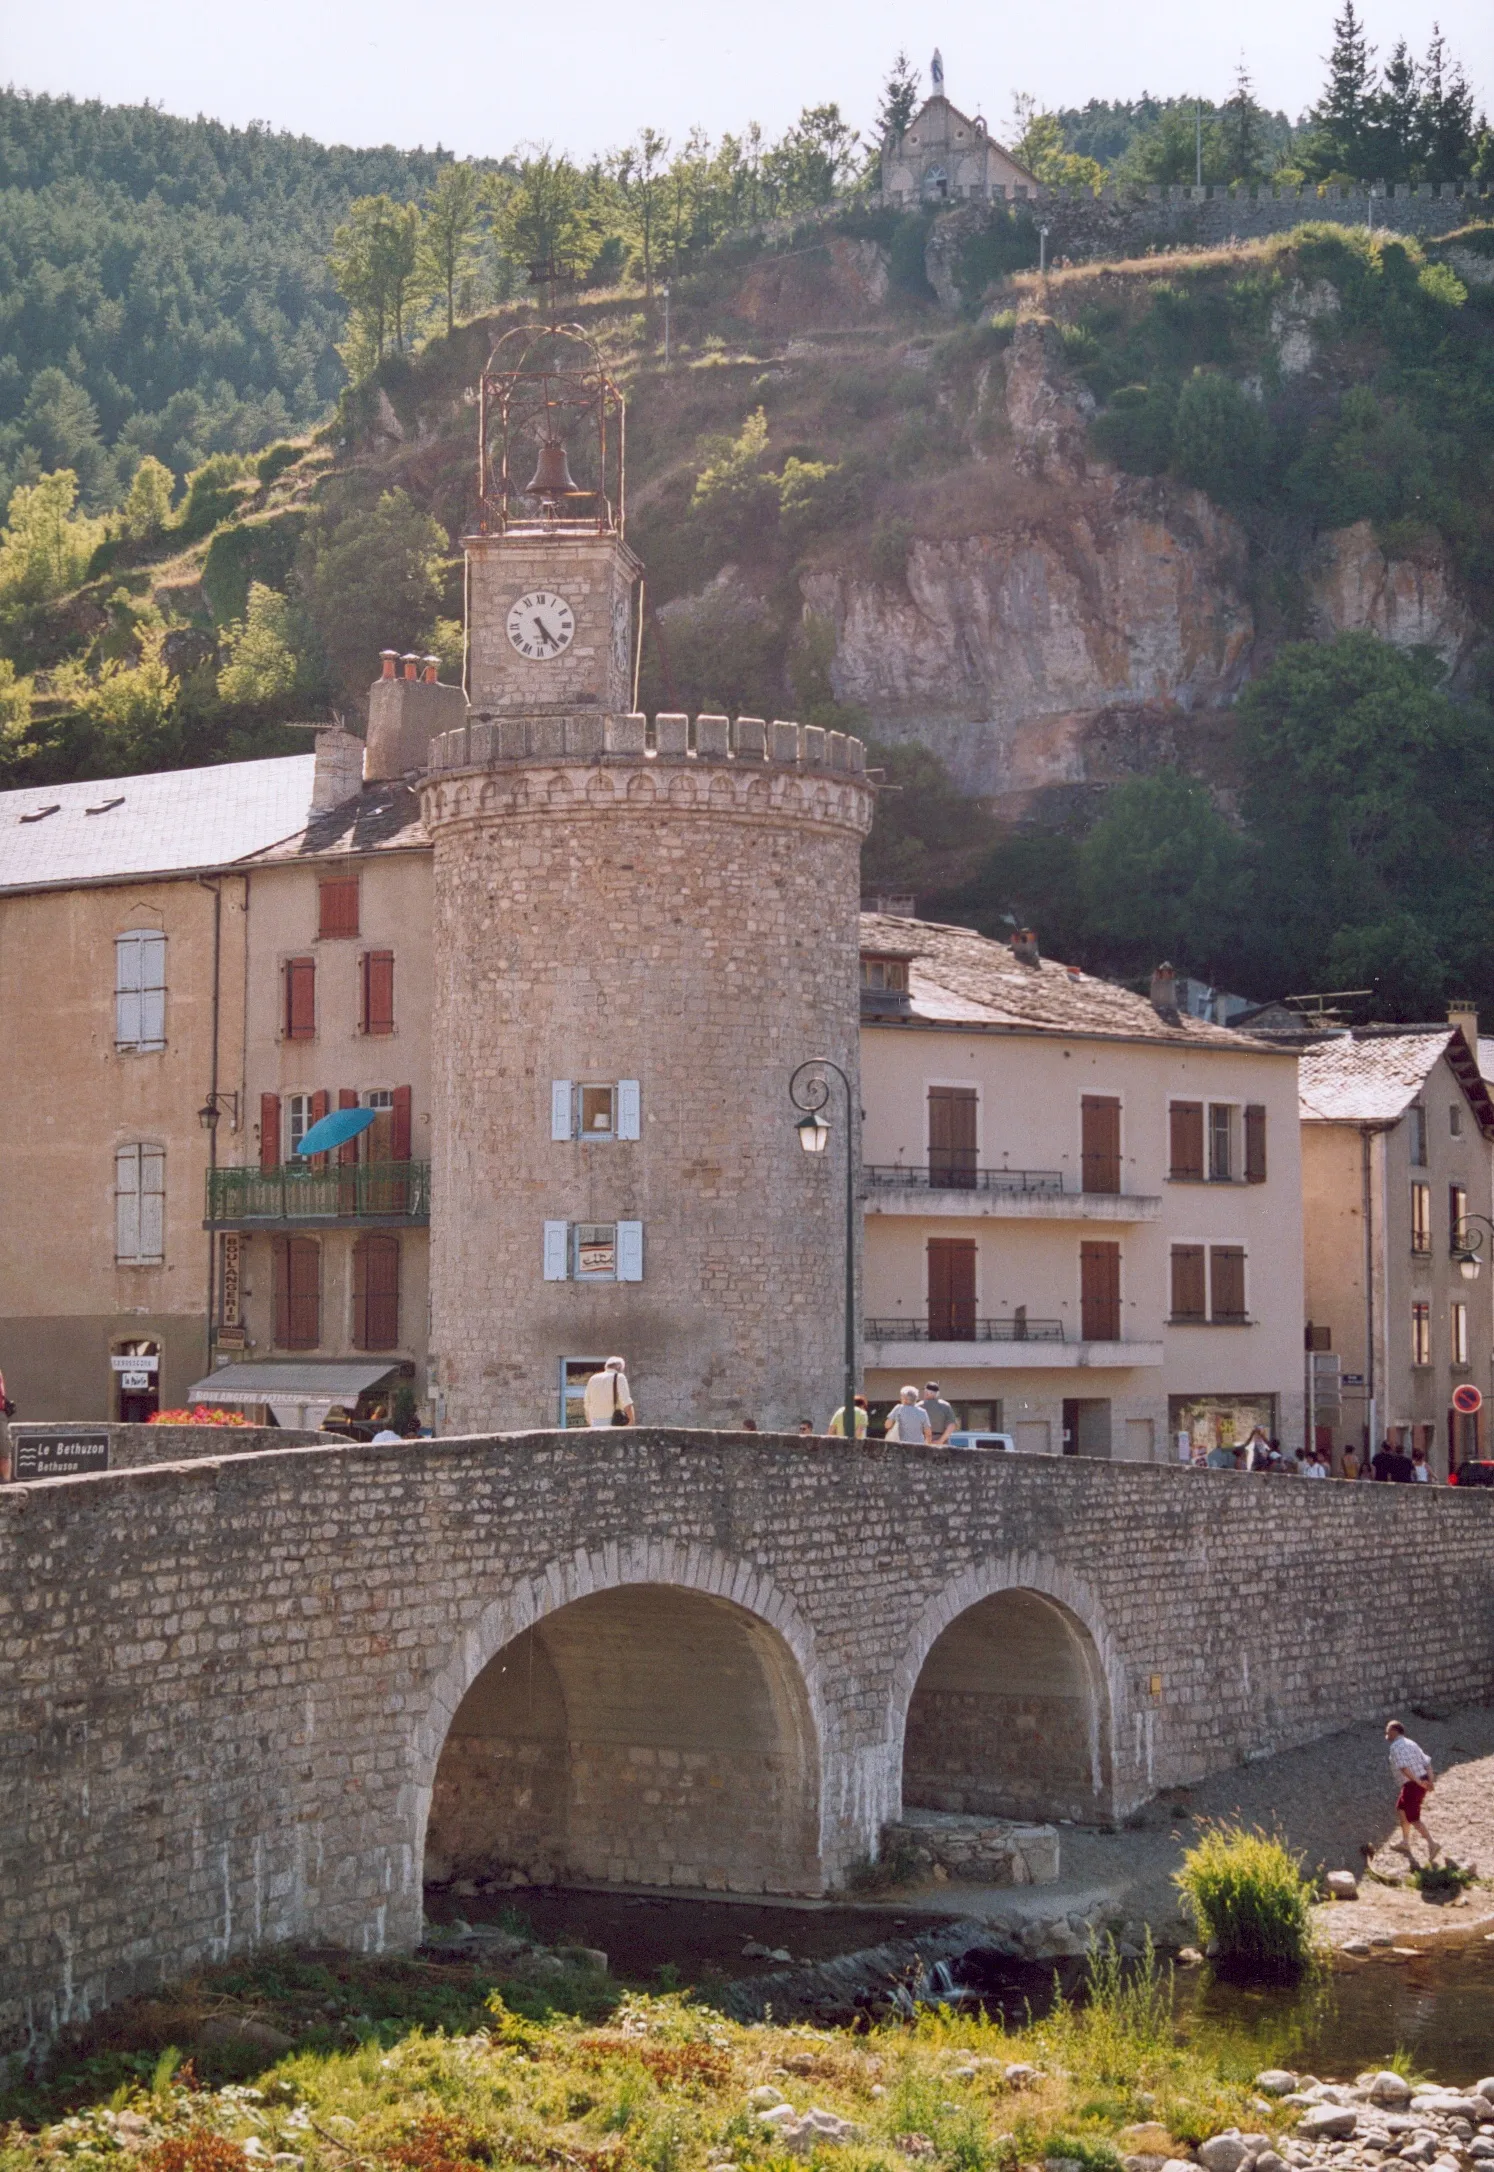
945,156
1397,1167
1083,1209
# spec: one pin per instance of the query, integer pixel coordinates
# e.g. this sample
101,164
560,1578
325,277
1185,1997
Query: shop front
1198,1423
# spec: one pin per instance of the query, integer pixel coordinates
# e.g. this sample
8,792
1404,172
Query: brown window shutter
280,1253
1188,1282
1255,1143
1186,1127
269,1131
952,1147
1100,1142
1227,1281
339,907
399,1145
298,1292
300,999
378,991
376,1293
1099,1292
951,1289
347,1153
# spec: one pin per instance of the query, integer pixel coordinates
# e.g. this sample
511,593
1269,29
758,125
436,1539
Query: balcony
1016,1329
373,1195
1006,1194
1018,1343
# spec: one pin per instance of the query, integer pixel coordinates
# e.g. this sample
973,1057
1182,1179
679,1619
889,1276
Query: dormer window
884,984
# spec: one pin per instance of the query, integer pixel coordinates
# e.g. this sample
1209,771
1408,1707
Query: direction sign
47,1451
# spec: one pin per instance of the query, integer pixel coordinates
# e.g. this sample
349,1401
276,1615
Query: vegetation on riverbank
1246,1893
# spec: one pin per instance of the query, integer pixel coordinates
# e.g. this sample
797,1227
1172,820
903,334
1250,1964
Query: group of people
1389,1465
925,1419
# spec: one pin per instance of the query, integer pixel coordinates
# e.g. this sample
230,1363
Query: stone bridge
252,1698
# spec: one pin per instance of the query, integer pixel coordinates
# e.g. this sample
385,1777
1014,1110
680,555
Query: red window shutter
952,1143
1186,1125
951,1289
1188,1282
399,1144
376,1293
1099,1292
1100,1142
300,999
339,907
298,1292
347,1153
1227,1275
269,1131
1255,1143
378,991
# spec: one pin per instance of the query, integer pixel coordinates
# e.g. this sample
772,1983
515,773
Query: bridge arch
645,1714
1005,1704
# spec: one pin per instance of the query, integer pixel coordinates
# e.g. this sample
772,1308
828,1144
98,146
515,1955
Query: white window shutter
562,1125
557,1245
127,1203
152,1202
628,1108
127,965
630,1251
153,991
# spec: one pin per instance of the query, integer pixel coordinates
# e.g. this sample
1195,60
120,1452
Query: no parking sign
1466,1398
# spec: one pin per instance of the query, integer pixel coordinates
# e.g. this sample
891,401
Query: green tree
1448,121
537,211
1346,119
15,706
147,506
1040,148
372,261
1160,876
640,173
60,422
45,550
899,100
926,832
812,162
263,666
732,488
1243,144
448,225
131,706
1219,438
372,580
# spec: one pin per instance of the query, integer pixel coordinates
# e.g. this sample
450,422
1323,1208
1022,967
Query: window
1459,1325
1457,1215
376,1292
1255,1143
338,907
1455,1121
609,1109
593,1252
952,1137
377,992
1421,1217
140,990
1186,1149
377,1143
298,1121
300,999
1421,1333
298,1292
885,976
1188,1282
1227,1282
1099,1292
140,1206
1100,1143
1221,1142
951,1289
1416,1118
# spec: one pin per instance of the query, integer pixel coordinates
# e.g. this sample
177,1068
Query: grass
1246,1893
1442,1881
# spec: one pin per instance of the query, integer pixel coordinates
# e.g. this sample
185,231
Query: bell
552,474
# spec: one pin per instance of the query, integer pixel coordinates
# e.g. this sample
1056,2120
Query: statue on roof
936,74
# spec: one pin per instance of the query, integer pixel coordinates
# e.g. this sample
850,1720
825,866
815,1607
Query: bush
1249,1899
261,550
214,492
1219,439
1135,430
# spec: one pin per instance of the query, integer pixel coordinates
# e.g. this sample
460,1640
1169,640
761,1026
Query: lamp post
209,1116
1468,1243
809,1091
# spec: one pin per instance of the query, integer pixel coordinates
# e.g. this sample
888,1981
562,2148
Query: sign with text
143,1363
58,1451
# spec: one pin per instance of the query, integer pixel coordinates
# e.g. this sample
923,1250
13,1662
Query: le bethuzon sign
58,1451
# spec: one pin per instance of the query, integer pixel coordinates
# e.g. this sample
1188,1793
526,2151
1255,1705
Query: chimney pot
389,658
1165,991
432,670
1025,947
411,663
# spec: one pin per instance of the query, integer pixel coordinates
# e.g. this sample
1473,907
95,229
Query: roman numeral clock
541,624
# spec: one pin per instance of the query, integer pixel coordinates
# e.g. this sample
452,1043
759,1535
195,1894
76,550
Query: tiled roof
960,978
1372,1077
379,817
166,822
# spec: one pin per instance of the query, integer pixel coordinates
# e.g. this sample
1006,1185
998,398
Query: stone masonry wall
228,1682
133,1445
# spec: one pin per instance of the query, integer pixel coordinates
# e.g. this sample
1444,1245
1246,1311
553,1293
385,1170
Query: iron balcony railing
949,1177
359,1191
1019,1328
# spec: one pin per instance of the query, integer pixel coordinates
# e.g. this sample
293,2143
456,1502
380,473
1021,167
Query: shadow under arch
646,1717
1006,1707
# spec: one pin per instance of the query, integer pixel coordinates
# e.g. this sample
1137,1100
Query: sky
480,79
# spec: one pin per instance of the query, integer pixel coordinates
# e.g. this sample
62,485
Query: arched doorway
1010,1717
646,1735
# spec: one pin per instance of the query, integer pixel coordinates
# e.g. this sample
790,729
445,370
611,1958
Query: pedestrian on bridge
837,1426
1413,1769
941,1415
908,1420
607,1399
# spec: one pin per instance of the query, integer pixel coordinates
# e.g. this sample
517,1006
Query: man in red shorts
1413,1769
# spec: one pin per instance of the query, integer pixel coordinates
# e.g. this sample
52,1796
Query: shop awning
298,1394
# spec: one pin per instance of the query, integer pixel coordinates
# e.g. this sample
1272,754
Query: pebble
764,2097
1275,2081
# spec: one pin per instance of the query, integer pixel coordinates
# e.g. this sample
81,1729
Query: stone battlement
588,737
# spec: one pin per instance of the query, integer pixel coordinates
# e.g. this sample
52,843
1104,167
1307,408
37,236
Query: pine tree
1346,115
1400,118
899,99
1241,131
1449,122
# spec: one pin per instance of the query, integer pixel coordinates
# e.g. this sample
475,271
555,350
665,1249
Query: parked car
1472,1474
1002,1443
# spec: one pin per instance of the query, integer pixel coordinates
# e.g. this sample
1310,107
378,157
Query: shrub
1135,430
214,492
44,551
1249,1899
1219,438
274,461
147,507
1442,1881
263,665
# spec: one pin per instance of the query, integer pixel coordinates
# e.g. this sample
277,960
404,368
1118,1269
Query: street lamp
809,1091
1468,1242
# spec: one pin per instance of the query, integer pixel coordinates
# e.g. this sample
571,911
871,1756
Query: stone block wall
229,1683
133,1445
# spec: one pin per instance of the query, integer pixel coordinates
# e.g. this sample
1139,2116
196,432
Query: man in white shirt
907,1420
607,1399
1413,1770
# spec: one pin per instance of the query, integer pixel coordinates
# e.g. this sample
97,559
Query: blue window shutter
630,1251
557,1246
561,1125
627,1108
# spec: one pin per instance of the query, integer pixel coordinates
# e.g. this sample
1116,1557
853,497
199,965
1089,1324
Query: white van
1001,1443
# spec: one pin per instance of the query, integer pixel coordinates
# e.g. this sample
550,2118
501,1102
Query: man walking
908,1420
1413,1769
837,1426
941,1415
607,1399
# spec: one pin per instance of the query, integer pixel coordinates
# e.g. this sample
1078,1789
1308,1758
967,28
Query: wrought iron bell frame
547,385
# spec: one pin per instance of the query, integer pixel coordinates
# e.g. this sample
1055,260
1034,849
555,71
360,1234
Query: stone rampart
229,1682
130,1446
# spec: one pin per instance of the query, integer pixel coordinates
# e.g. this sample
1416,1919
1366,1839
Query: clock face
541,625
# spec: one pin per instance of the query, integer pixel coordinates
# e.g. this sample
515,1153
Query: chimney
339,769
389,658
1165,993
432,671
1466,1016
411,663
1025,947
405,713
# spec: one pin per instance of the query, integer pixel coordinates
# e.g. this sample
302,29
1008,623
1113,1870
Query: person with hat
941,1415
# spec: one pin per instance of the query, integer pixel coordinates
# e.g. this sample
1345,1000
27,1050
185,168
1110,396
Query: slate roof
1372,1077
379,818
165,822
960,978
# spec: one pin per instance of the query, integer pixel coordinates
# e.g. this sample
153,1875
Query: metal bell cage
545,395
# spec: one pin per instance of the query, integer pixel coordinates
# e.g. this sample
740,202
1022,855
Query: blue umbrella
336,1130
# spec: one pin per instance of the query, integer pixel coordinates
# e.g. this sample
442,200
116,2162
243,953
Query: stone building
946,156
1083,1209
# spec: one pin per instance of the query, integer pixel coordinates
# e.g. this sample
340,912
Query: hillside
1049,542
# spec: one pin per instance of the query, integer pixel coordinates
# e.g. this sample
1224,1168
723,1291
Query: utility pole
1042,250
1198,143
664,290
